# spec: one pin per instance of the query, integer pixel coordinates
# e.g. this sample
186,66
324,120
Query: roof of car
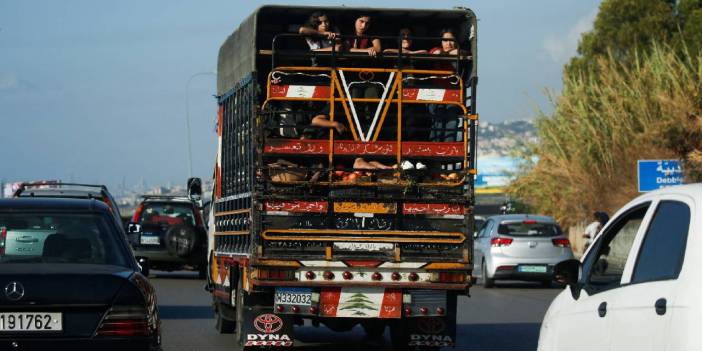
523,216
694,190
24,203
49,192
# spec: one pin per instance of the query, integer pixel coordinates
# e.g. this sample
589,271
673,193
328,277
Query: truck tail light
449,277
499,242
561,242
125,321
276,274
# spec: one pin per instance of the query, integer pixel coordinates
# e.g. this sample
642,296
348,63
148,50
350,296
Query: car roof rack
26,186
165,197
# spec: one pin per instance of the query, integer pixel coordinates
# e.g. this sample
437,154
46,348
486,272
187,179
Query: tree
627,28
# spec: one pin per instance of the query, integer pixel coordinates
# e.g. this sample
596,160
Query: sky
95,91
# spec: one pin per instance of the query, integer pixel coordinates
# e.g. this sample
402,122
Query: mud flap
428,332
436,332
261,327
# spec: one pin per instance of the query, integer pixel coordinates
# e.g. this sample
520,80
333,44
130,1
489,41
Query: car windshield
528,228
167,213
59,238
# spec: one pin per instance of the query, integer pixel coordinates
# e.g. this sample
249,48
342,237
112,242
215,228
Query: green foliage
646,108
624,28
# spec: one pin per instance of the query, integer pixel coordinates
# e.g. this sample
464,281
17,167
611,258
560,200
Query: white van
637,287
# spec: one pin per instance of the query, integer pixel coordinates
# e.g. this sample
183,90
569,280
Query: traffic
345,211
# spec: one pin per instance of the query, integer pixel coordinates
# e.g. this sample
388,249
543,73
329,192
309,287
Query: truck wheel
238,337
374,331
487,282
223,325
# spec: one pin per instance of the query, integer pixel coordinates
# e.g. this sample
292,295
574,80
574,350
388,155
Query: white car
638,285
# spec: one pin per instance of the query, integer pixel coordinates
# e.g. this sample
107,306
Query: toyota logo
14,291
268,323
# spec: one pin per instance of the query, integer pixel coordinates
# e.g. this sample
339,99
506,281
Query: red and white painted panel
361,302
301,91
438,95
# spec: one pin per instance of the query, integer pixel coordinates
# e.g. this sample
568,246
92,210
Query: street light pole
187,120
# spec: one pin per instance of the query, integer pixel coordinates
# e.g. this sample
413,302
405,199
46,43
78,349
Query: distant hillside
499,139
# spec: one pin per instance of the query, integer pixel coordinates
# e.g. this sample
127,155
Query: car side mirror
133,228
568,272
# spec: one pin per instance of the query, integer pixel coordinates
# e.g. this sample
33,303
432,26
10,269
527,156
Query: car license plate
532,269
364,246
30,322
150,240
293,296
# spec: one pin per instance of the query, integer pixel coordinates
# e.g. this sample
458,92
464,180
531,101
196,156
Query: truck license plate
30,322
293,296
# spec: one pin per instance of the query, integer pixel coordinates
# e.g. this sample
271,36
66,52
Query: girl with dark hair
321,35
448,43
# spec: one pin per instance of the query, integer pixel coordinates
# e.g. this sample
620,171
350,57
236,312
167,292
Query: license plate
293,296
364,246
150,240
532,269
30,322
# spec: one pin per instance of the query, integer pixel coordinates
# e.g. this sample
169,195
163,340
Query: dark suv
168,233
55,189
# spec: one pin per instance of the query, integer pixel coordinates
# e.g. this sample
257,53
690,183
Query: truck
368,224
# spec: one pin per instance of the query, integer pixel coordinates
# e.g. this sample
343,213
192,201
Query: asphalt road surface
503,318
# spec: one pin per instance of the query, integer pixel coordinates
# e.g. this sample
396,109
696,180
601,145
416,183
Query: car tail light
499,242
276,274
3,239
125,321
529,221
505,268
107,201
561,242
137,213
449,277
198,218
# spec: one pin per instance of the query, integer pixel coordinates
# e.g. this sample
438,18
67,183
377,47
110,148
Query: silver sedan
520,247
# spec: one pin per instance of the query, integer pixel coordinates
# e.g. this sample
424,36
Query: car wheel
487,282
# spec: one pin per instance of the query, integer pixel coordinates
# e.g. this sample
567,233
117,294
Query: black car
68,280
168,233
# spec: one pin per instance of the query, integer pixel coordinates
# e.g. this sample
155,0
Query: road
503,318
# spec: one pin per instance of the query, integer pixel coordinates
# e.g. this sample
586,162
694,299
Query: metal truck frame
296,241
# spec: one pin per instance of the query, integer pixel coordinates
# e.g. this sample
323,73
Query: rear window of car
529,228
167,213
59,238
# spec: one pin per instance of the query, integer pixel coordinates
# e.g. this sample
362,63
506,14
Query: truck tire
181,240
238,337
374,330
487,282
223,325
